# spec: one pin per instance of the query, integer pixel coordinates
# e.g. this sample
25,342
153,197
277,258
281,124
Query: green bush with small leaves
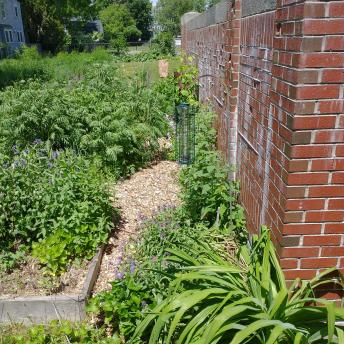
105,116
53,201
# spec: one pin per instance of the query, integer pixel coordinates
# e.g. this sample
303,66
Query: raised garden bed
43,309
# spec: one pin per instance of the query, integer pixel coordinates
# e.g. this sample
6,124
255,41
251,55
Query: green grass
151,68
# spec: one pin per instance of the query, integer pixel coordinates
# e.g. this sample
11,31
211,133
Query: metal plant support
185,133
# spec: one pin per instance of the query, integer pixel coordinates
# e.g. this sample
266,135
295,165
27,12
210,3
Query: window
18,36
21,36
8,36
16,10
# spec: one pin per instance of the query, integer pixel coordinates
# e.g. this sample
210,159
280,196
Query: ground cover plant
52,205
55,333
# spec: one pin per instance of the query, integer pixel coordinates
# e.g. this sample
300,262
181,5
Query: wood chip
138,198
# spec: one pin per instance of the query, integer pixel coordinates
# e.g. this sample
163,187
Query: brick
332,251
322,27
302,274
315,151
307,178
314,10
338,178
336,9
300,252
317,92
301,137
340,150
292,217
322,240
312,44
314,122
289,263
315,60
327,164
334,43
333,75
331,106
290,241
326,191
336,203
324,216
297,165
302,228
305,204
317,263
334,228
329,136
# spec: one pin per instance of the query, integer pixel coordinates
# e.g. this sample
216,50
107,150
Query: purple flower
120,275
144,304
50,164
23,162
132,267
55,155
15,150
37,141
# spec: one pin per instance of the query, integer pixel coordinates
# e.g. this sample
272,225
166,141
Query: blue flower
132,267
37,141
50,164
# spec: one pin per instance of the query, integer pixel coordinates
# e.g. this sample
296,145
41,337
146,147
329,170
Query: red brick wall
277,85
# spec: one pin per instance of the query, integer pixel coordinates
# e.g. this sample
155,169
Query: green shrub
207,194
163,43
53,200
55,333
244,301
105,116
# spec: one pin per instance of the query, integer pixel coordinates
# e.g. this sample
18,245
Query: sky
154,2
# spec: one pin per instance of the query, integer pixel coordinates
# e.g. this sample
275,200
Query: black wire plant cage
185,133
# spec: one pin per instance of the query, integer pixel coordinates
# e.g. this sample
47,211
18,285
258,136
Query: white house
11,25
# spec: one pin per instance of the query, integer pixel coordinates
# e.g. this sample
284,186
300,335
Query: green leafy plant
107,117
143,271
125,305
163,42
55,333
207,194
54,200
247,300
186,83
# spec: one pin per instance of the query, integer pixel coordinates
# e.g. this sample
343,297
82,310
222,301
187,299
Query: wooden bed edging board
43,309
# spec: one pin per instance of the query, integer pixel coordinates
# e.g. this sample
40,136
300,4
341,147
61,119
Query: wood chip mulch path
138,199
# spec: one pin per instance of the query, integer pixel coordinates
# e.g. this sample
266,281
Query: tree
119,25
169,12
141,11
45,21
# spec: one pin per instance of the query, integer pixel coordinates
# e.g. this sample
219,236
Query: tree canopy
168,12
